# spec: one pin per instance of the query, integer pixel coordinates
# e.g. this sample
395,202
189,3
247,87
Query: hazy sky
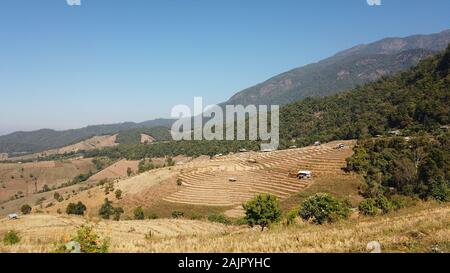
110,61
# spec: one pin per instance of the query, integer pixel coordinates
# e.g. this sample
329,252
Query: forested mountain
345,70
41,140
412,101
415,102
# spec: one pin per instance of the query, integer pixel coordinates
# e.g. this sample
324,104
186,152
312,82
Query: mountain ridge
343,71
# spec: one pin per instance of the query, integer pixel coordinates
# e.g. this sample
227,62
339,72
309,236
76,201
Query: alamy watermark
235,119
73,2
374,2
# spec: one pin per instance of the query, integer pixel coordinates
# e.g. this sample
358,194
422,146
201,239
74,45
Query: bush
262,210
26,209
177,214
139,213
219,218
117,213
179,182
106,210
439,190
399,202
118,194
152,216
58,197
76,209
368,207
383,204
11,238
90,242
289,217
322,208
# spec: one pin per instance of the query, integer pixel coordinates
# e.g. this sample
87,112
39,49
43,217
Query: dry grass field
206,189
417,229
29,178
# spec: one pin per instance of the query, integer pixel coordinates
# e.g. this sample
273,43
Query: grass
164,209
341,187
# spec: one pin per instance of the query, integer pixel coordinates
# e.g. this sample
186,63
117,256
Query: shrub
196,216
76,209
383,204
439,190
322,208
90,242
368,207
117,213
58,197
118,194
139,213
152,216
129,172
11,238
289,217
26,209
179,182
399,202
106,210
262,210
177,214
219,218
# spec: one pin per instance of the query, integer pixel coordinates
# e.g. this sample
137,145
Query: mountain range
343,71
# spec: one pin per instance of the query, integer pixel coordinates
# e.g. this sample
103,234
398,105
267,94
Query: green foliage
289,217
219,218
383,204
11,238
90,241
26,209
179,182
368,207
262,210
177,214
417,167
145,165
106,210
57,196
152,216
76,209
117,213
134,136
322,208
118,193
139,213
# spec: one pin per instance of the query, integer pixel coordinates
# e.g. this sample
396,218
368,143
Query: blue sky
110,61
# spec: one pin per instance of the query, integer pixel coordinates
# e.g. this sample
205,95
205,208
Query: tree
26,209
118,193
322,208
139,213
58,197
129,171
76,209
106,210
262,210
117,213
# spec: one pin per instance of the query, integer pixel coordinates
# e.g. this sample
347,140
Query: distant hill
45,139
345,70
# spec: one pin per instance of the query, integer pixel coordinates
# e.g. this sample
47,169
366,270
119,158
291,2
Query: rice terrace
311,131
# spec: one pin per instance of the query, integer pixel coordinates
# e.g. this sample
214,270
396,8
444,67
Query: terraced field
254,173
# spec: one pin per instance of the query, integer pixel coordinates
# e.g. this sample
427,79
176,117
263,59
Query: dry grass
416,229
